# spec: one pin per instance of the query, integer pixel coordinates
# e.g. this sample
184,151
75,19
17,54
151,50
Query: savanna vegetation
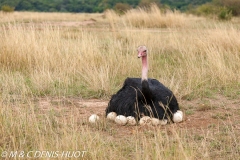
220,9
94,5
194,6
49,62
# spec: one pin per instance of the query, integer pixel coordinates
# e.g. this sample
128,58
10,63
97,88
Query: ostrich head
142,51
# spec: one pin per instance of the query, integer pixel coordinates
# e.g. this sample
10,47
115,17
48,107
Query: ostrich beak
139,55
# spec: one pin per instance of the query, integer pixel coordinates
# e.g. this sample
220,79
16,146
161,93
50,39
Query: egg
178,116
163,122
155,121
146,120
131,120
93,118
111,116
121,120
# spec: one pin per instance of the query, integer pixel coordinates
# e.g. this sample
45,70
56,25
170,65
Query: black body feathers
148,97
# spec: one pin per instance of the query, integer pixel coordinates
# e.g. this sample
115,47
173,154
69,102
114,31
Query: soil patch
198,114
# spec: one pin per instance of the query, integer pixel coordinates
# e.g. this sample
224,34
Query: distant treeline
90,6
223,9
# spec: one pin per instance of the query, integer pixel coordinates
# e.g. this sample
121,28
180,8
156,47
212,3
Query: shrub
225,14
7,8
211,10
122,7
206,9
233,5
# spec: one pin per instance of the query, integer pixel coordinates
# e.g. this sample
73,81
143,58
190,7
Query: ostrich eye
145,51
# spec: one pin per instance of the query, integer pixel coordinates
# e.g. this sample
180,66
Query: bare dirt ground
74,23
199,114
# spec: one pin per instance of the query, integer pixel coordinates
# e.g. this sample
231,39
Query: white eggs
131,120
146,120
155,121
163,122
111,116
93,118
178,116
121,120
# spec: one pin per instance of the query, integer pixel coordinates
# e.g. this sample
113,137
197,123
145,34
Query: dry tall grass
26,127
44,60
154,18
151,17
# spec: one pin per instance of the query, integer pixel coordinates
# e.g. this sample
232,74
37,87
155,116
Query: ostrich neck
145,86
144,68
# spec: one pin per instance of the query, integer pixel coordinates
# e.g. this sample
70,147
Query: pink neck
144,68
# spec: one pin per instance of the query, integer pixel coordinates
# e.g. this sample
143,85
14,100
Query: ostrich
144,96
